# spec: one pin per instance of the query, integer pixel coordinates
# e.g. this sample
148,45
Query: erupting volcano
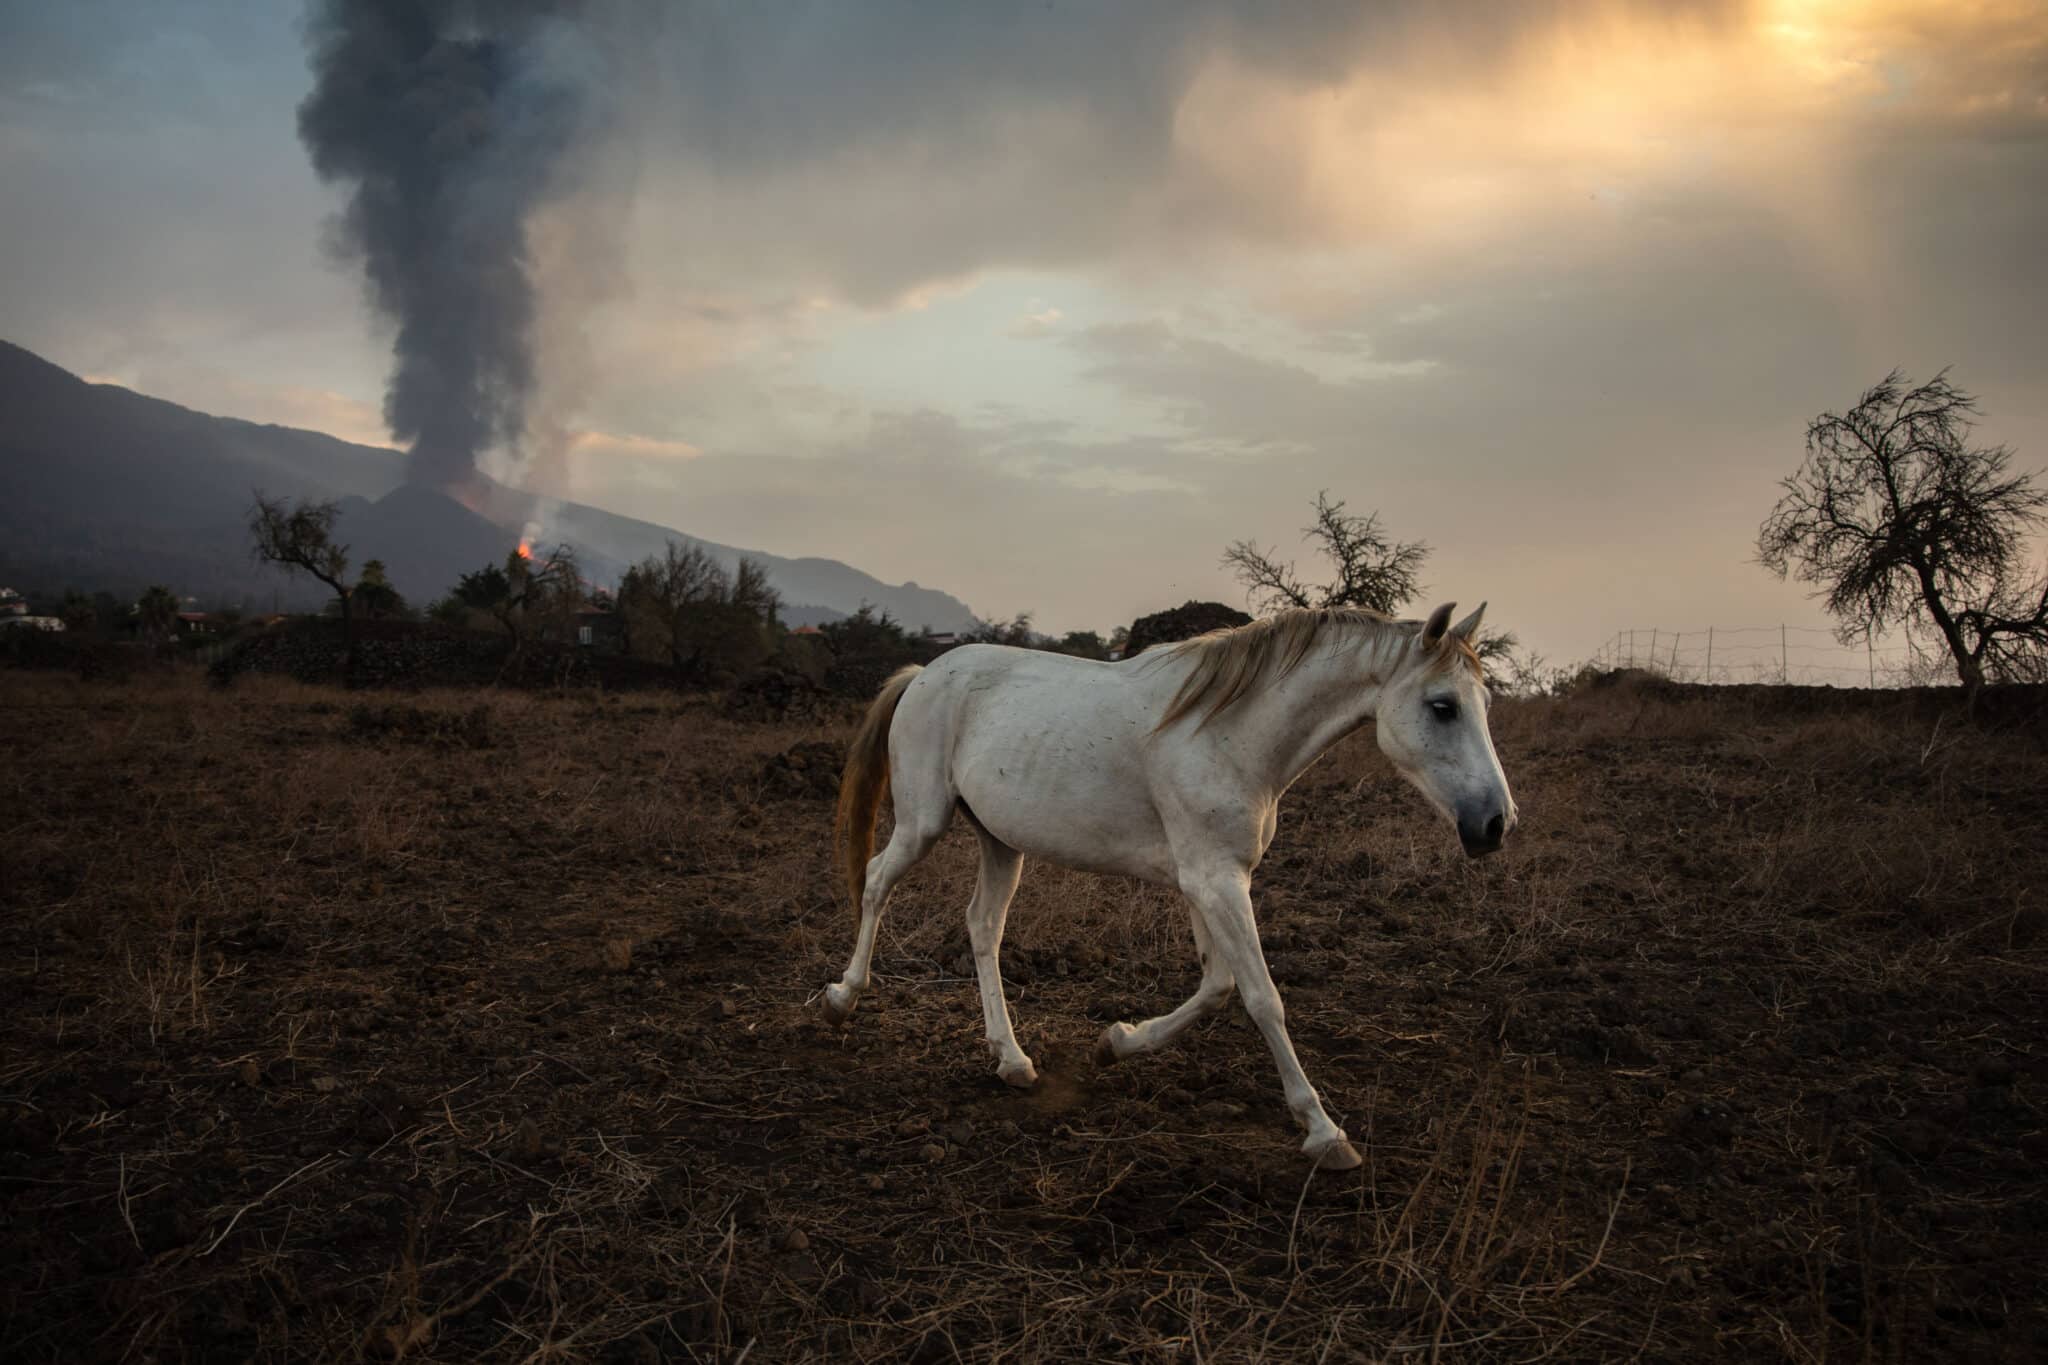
453,121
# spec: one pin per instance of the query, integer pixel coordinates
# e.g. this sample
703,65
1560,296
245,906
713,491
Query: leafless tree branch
1897,519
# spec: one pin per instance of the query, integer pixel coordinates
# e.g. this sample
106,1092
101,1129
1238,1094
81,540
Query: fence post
1653,647
1676,636
1710,654
1870,655
1631,646
1784,657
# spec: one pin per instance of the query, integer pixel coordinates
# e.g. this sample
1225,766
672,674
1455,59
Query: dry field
481,1026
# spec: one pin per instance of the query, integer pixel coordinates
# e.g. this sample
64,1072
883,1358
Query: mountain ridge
102,487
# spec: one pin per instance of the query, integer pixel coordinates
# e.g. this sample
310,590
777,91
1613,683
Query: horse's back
1002,694
1047,750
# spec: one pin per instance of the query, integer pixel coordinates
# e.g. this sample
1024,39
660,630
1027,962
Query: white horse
1169,767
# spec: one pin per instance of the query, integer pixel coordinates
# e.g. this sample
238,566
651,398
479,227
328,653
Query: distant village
15,613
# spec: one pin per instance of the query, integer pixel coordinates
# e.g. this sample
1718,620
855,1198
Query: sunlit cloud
337,414
1107,480
286,405
625,445
1039,321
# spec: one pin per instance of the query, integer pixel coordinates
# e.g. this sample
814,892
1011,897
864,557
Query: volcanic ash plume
454,121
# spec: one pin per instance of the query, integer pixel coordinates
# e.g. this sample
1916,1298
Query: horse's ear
1433,629
1468,627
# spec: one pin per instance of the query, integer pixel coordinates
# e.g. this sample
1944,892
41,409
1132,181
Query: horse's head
1431,722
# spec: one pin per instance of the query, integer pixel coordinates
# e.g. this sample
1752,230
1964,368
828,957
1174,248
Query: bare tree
1372,569
299,537
1496,649
1898,520
751,592
554,592
685,607
522,589
660,593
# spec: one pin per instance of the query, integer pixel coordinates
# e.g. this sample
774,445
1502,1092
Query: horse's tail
860,786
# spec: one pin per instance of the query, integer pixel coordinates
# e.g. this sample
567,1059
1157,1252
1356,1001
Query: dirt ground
483,1026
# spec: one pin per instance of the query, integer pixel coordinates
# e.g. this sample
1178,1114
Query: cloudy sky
1046,303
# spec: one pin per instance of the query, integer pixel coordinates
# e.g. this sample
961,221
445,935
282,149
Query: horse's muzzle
1482,834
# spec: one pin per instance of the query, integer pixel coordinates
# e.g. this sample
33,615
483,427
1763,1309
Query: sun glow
1586,116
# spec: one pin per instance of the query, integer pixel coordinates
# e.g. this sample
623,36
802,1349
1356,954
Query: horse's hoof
1019,1077
1105,1046
1339,1155
837,1005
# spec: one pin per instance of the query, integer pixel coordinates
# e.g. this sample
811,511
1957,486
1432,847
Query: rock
325,1085
912,1126
805,771
250,1074
932,1152
618,953
772,694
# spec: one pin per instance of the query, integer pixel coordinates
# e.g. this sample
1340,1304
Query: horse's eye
1444,710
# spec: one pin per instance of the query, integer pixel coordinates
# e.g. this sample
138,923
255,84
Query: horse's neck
1290,723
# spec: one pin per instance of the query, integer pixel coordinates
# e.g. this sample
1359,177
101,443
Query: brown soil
482,1026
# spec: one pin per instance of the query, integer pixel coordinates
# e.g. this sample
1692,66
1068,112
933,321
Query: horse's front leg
1222,896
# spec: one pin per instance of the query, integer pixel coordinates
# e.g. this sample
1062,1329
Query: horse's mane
1228,663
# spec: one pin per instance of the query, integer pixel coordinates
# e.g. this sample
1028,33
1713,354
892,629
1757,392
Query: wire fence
1806,655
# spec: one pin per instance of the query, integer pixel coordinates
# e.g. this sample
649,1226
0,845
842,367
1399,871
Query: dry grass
466,1027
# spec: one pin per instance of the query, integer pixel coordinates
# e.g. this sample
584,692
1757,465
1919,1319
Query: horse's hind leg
986,914
923,808
1125,1040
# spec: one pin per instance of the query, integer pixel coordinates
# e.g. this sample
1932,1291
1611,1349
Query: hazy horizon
1045,307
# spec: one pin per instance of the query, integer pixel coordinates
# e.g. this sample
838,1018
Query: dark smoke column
451,119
